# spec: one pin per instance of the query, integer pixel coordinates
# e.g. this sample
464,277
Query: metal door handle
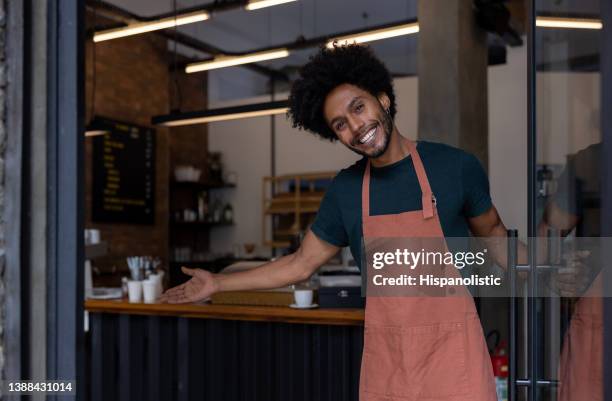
512,264
513,267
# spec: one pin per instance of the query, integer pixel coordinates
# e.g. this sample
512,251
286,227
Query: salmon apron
420,348
581,362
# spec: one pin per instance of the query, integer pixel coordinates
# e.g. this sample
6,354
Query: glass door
556,316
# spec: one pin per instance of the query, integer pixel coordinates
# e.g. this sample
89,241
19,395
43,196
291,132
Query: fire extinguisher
499,360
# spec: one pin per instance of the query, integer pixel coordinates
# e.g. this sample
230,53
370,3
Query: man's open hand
574,277
201,286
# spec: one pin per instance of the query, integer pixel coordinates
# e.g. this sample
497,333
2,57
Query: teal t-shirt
456,177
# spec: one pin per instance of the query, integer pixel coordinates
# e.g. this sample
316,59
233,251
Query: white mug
135,291
303,297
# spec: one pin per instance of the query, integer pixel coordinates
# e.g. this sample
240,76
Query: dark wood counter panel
351,317
162,352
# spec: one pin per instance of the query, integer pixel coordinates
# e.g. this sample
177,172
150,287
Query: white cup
135,291
303,297
157,279
94,236
149,289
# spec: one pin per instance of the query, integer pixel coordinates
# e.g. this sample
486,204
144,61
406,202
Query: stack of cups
149,289
135,291
153,287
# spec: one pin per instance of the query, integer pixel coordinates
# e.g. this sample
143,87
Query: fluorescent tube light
95,132
257,4
222,114
377,34
570,23
229,61
227,117
149,26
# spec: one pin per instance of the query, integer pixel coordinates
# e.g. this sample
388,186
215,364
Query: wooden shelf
201,223
202,186
291,210
277,244
286,233
288,200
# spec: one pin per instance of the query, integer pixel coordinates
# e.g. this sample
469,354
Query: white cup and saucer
303,299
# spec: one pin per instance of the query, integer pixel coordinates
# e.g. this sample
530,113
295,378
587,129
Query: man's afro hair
330,67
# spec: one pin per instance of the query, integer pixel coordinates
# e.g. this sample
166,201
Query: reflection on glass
569,149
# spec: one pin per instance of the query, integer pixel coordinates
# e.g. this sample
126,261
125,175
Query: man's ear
384,100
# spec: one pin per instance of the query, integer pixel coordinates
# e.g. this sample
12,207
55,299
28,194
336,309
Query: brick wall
133,83
188,145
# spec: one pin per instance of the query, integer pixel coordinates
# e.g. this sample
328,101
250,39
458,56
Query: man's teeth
367,137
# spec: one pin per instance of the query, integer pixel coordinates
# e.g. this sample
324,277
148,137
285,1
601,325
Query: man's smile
369,136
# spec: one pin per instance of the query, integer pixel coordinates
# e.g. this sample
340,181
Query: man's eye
359,108
339,126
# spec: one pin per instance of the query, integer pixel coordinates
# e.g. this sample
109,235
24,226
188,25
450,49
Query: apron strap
365,193
427,199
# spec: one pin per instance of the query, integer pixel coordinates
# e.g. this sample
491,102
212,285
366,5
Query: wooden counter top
348,317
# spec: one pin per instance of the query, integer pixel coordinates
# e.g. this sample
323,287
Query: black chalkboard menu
123,173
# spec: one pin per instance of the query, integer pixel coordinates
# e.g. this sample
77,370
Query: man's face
359,119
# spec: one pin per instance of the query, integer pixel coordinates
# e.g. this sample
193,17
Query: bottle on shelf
202,206
217,211
228,213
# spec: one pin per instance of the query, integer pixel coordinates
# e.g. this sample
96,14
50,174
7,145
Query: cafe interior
189,159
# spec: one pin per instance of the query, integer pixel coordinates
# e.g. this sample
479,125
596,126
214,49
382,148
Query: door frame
606,223
65,242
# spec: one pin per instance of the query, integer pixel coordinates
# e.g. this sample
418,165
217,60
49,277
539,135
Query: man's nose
355,124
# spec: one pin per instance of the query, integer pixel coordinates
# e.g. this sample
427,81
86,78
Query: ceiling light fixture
257,4
376,34
222,114
229,61
142,27
94,132
382,32
568,23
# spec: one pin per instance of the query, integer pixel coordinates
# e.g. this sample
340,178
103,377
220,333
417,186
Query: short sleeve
328,224
476,194
566,195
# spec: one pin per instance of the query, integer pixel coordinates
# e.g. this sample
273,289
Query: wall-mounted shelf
290,203
201,186
202,224
190,234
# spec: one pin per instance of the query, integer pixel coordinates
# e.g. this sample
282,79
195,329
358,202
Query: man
576,206
414,348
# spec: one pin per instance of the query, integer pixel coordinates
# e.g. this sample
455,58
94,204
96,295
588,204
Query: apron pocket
415,362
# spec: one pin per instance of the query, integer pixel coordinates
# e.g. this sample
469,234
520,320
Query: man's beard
387,127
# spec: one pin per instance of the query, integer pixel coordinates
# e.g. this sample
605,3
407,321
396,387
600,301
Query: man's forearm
497,243
279,273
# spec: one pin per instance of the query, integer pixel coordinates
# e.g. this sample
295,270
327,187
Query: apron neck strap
365,192
427,197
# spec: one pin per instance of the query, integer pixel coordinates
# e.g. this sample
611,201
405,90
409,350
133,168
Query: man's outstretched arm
284,271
